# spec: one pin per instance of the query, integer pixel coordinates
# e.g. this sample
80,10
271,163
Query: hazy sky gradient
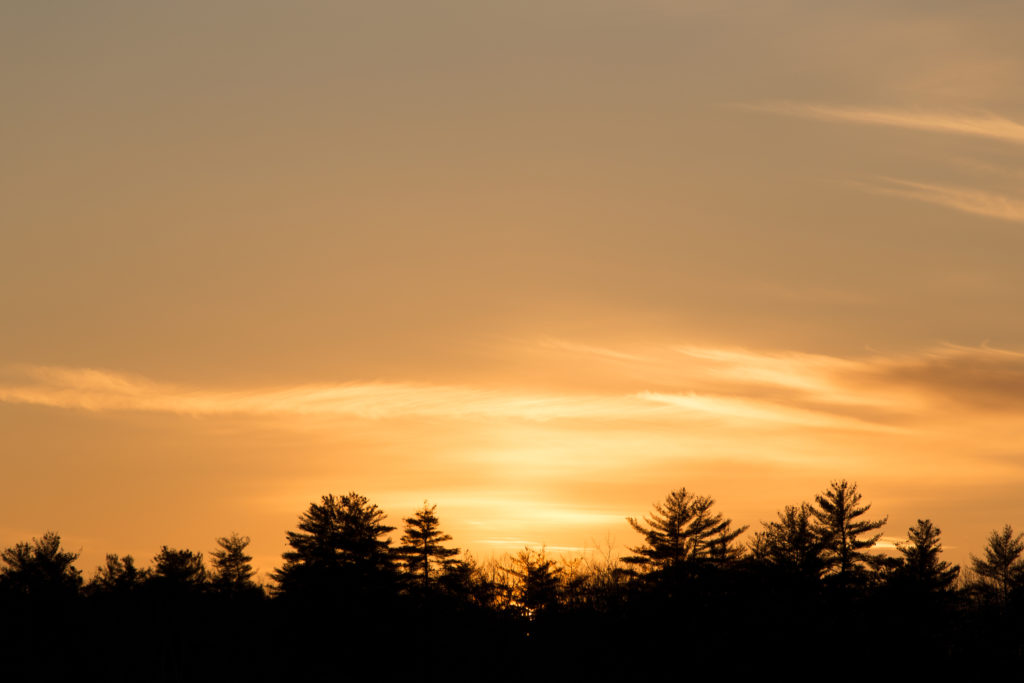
539,262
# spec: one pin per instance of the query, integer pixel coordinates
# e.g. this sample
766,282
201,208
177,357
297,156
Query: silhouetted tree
921,566
791,543
467,580
118,575
836,523
41,569
422,547
683,530
178,571
538,590
338,549
232,567
1002,566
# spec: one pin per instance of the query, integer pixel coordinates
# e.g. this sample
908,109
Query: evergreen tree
232,567
921,566
683,530
1002,567
178,571
422,551
468,581
338,549
118,575
840,532
791,543
538,589
41,569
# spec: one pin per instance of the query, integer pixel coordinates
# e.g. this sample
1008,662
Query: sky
539,263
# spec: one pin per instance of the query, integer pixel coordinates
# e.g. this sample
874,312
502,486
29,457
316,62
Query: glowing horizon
733,405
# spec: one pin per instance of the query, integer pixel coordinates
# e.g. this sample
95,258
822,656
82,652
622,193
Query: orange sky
540,263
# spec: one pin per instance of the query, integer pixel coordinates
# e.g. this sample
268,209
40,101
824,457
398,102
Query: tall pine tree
178,572
921,568
1002,567
683,531
339,550
41,569
232,567
791,543
841,532
422,552
119,576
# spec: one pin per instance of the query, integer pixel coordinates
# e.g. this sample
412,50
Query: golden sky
537,262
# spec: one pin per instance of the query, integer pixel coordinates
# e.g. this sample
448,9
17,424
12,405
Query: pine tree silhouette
118,576
41,569
683,530
422,551
1002,566
178,571
232,567
836,523
921,567
791,543
338,550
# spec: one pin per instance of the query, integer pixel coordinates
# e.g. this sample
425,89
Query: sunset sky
537,262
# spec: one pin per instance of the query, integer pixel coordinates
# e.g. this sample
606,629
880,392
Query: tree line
346,592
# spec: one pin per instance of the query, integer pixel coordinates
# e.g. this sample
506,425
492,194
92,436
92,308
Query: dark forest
804,595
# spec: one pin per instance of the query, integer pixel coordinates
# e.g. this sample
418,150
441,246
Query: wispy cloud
100,390
730,386
978,124
105,391
979,379
811,373
983,124
97,390
599,351
967,200
759,411
807,388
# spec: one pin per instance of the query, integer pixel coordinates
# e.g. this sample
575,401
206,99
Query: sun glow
561,468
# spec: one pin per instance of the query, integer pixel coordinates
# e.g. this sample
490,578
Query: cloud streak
755,412
99,390
102,391
961,199
983,125
981,379
737,387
